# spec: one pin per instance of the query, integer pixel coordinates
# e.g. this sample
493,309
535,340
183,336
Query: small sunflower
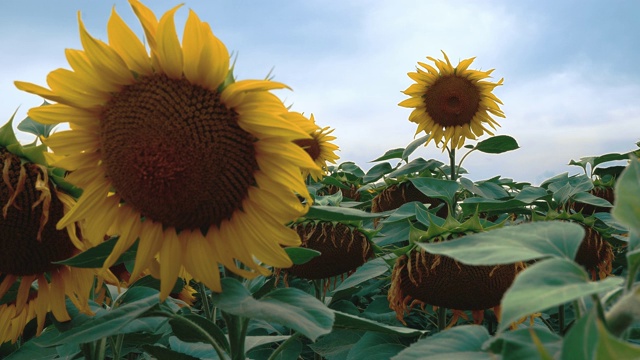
452,103
31,285
170,150
319,146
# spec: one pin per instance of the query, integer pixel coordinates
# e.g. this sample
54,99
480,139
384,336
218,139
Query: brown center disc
176,153
452,101
21,253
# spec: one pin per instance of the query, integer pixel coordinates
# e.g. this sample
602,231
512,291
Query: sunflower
171,150
452,103
31,284
319,146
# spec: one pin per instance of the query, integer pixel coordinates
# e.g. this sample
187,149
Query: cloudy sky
571,84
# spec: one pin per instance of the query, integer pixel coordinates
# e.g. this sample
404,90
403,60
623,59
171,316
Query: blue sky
571,84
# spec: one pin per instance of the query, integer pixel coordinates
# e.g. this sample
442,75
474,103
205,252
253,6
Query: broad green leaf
392,233
519,344
336,213
627,192
352,169
353,322
497,144
471,205
404,212
530,194
367,271
414,166
95,256
574,184
601,159
108,324
513,243
413,146
291,351
251,342
337,344
330,180
195,328
436,188
33,127
546,284
487,190
300,255
162,353
329,200
460,343
377,172
391,154
588,198
290,307
7,135
31,351
588,339
375,345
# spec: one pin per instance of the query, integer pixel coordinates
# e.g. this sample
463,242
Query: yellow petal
201,261
168,45
170,261
128,45
148,246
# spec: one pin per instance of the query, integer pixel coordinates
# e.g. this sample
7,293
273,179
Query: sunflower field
168,210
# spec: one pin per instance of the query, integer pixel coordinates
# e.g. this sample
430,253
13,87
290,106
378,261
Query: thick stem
205,302
236,338
442,318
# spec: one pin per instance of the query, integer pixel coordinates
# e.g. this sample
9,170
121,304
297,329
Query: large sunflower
31,285
452,103
170,150
319,146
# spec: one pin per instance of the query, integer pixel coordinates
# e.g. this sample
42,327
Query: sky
571,80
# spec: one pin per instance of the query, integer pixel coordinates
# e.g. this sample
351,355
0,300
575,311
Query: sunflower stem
116,345
454,177
561,319
599,308
285,344
442,318
236,335
205,302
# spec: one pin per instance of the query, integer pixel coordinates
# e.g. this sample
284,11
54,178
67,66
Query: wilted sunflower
452,103
202,170
319,146
343,248
31,207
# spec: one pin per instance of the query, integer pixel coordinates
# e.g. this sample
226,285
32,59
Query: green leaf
337,344
588,198
413,146
436,188
610,157
546,284
627,192
513,243
460,343
487,190
352,168
530,194
290,307
377,171
95,256
192,328
375,345
391,154
300,255
33,127
369,270
497,144
109,324
162,353
589,339
414,166
7,135
353,322
335,213
519,344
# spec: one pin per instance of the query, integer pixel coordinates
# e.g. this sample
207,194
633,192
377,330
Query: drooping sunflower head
31,207
421,278
203,170
343,248
319,146
452,103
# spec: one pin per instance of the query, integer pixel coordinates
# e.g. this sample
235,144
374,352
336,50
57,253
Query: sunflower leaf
336,213
461,342
391,154
436,188
192,328
497,144
369,270
413,146
353,322
32,127
377,171
300,255
94,257
546,284
162,353
290,307
627,191
513,243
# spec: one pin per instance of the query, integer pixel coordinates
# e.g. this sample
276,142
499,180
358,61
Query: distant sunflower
170,150
319,146
452,103
30,245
